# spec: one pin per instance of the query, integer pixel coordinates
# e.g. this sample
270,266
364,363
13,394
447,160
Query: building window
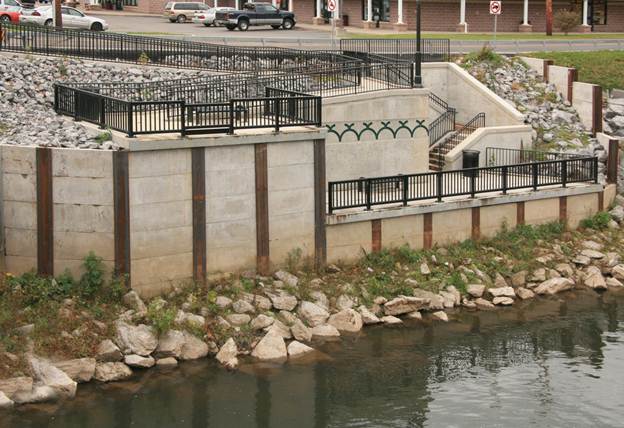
381,10
598,12
129,2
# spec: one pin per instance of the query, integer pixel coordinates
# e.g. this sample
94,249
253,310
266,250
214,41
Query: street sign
496,7
331,6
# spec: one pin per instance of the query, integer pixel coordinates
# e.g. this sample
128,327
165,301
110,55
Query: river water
547,363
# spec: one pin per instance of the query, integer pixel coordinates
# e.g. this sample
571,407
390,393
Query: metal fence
495,156
401,189
431,50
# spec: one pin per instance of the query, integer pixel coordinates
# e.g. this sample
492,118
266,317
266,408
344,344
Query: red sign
496,7
331,6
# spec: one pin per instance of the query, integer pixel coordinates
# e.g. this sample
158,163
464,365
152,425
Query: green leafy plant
104,136
160,318
293,259
92,281
143,58
567,20
598,221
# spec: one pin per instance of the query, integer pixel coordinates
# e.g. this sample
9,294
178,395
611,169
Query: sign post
331,7
496,7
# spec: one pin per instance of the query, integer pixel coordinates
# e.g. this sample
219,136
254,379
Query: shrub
485,54
567,20
598,221
160,317
92,281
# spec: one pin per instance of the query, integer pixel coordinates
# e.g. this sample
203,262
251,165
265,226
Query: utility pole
58,17
549,18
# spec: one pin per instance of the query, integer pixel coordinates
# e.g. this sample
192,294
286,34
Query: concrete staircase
438,151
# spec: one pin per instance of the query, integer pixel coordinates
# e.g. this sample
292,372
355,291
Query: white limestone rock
324,331
297,349
554,286
140,339
270,347
282,300
5,402
391,320
404,304
367,316
261,321
347,320
44,373
300,331
312,314
110,372
79,369
502,292
227,355
108,352
475,290
16,385
139,361
287,278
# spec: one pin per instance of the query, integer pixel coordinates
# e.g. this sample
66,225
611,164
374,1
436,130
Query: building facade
437,15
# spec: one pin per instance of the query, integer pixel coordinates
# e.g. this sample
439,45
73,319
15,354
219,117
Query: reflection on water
547,363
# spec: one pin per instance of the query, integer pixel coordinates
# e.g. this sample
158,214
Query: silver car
208,17
72,18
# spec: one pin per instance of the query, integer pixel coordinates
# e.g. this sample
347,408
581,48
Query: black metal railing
439,151
497,156
444,123
432,50
402,189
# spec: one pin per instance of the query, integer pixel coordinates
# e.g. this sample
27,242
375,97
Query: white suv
10,6
183,12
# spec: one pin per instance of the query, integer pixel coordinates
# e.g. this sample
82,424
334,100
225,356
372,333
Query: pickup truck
256,14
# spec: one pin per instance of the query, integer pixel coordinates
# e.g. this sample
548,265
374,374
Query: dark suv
256,14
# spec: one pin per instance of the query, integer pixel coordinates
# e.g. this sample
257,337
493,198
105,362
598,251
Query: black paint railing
442,125
497,156
431,50
402,189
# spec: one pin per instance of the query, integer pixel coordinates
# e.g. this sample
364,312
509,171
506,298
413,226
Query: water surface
557,362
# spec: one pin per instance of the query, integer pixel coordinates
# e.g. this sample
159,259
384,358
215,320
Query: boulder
447,298
79,369
139,361
279,328
592,245
297,349
287,318
44,373
416,315
525,293
242,307
455,293
193,347
169,344
502,292
347,320
238,320
440,316
108,352
5,402
133,301
324,331
435,302
475,290
312,314
227,354
581,260
592,254
502,301
612,282
139,339
518,279
391,320
262,303
270,347
565,270
500,281
367,316
261,321
110,372
554,286
424,269
483,304
38,394
320,299
344,302
287,278
282,300
594,279
223,302
618,272
166,363
300,331
189,318
15,385
405,304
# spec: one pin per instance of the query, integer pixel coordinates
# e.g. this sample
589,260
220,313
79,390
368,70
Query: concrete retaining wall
469,96
427,225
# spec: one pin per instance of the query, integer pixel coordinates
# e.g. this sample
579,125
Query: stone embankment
555,121
285,316
27,116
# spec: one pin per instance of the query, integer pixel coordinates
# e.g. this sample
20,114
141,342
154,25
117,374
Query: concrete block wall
160,201
350,235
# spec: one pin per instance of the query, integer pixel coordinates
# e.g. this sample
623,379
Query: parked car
208,17
256,14
183,12
72,18
13,17
8,9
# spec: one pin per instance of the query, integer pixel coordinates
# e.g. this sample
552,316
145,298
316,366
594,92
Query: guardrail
496,156
402,189
431,50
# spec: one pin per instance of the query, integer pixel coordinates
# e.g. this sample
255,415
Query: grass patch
602,68
487,36
599,221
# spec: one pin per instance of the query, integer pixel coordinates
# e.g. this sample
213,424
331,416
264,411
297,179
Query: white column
585,12
318,8
400,15
216,3
369,11
290,5
462,12
237,5
525,17
274,3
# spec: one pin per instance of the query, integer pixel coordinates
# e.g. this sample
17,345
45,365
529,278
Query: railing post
102,112
595,164
367,193
505,173
277,113
439,185
535,165
76,105
183,118
130,120
330,197
564,173
473,177
231,128
405,189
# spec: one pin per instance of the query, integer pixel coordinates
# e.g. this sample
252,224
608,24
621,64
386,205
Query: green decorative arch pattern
359,130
